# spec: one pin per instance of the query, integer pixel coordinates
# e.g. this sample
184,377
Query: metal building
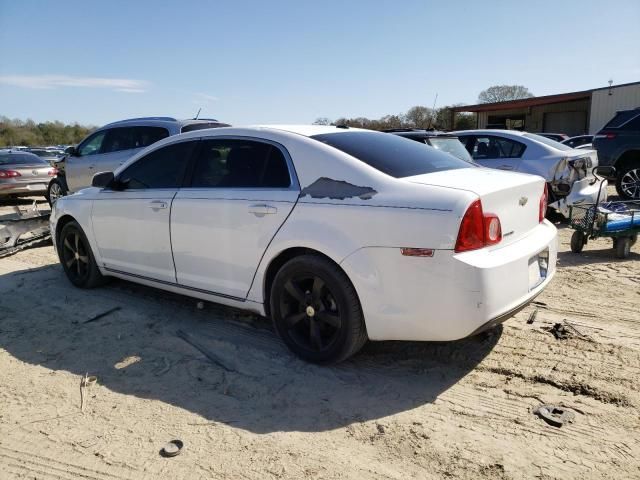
573,113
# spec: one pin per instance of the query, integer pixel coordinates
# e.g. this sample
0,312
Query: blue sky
276,61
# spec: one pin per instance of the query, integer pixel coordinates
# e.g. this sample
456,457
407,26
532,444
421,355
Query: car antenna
197,114
433,111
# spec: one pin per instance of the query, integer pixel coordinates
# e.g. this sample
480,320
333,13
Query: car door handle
262,209
506,167
157,204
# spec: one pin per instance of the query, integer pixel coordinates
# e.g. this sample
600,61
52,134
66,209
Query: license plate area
36,186
538,268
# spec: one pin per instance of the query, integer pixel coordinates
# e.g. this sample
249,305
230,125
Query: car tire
628,181
623,247
316,311
578,241
77,258
57,188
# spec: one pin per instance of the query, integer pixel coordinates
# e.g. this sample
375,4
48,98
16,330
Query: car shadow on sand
238,372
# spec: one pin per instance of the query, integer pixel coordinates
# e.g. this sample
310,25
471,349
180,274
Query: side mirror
608,172
102,179
71,151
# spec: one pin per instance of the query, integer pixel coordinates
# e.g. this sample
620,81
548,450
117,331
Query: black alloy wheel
316,310
76,257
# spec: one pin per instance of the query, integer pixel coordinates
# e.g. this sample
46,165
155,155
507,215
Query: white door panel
219,235
131,229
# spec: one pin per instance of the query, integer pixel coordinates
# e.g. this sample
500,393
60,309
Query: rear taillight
543,204
477,229
607,136
53,172
9,174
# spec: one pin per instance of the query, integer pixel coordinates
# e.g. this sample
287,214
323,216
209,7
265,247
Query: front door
240,194
80,168
131,224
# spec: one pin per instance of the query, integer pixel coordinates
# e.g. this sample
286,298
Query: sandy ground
396,410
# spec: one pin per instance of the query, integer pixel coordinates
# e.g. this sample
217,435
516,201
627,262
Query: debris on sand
553,415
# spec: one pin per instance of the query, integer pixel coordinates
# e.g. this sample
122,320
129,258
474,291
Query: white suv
110,146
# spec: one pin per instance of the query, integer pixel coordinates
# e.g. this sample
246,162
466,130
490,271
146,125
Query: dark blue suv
618,145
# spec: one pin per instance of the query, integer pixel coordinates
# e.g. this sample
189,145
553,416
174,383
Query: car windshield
13,159
547,141
451,145
391,154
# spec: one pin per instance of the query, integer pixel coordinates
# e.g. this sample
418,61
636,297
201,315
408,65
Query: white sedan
339,235
568,171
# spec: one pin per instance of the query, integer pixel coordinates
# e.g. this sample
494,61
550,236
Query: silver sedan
23,174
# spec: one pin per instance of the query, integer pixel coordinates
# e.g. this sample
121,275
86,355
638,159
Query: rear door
495,152
241,192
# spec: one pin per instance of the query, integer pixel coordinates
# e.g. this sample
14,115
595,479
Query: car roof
18,154
418,132
146,121
489,131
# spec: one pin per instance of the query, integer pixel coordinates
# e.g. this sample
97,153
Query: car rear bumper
448,296
23,188
582,192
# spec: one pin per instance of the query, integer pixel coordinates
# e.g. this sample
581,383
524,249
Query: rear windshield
547,141
21,159
452,146
391,154
621,118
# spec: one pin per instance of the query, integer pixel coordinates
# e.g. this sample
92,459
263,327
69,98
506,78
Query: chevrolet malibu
340,235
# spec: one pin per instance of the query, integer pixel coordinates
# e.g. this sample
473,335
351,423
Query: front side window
92,145
240,164
482,148
162,168
396,156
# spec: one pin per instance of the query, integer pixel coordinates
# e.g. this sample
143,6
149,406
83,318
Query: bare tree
503,93
419,117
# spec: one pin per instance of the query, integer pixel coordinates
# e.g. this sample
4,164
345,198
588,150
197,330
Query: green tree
503,93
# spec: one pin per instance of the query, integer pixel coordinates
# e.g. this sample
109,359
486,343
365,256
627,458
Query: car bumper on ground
23,189
582,192
450,296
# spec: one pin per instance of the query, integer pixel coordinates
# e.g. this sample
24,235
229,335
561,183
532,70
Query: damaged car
568,171
340,235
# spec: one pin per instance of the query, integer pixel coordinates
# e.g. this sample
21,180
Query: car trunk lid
513,197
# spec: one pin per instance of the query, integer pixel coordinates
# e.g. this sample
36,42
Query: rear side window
162,168
391,154
621,119
240,164
145,136
633,124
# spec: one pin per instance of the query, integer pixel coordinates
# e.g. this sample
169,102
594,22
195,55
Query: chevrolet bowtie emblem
523,201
